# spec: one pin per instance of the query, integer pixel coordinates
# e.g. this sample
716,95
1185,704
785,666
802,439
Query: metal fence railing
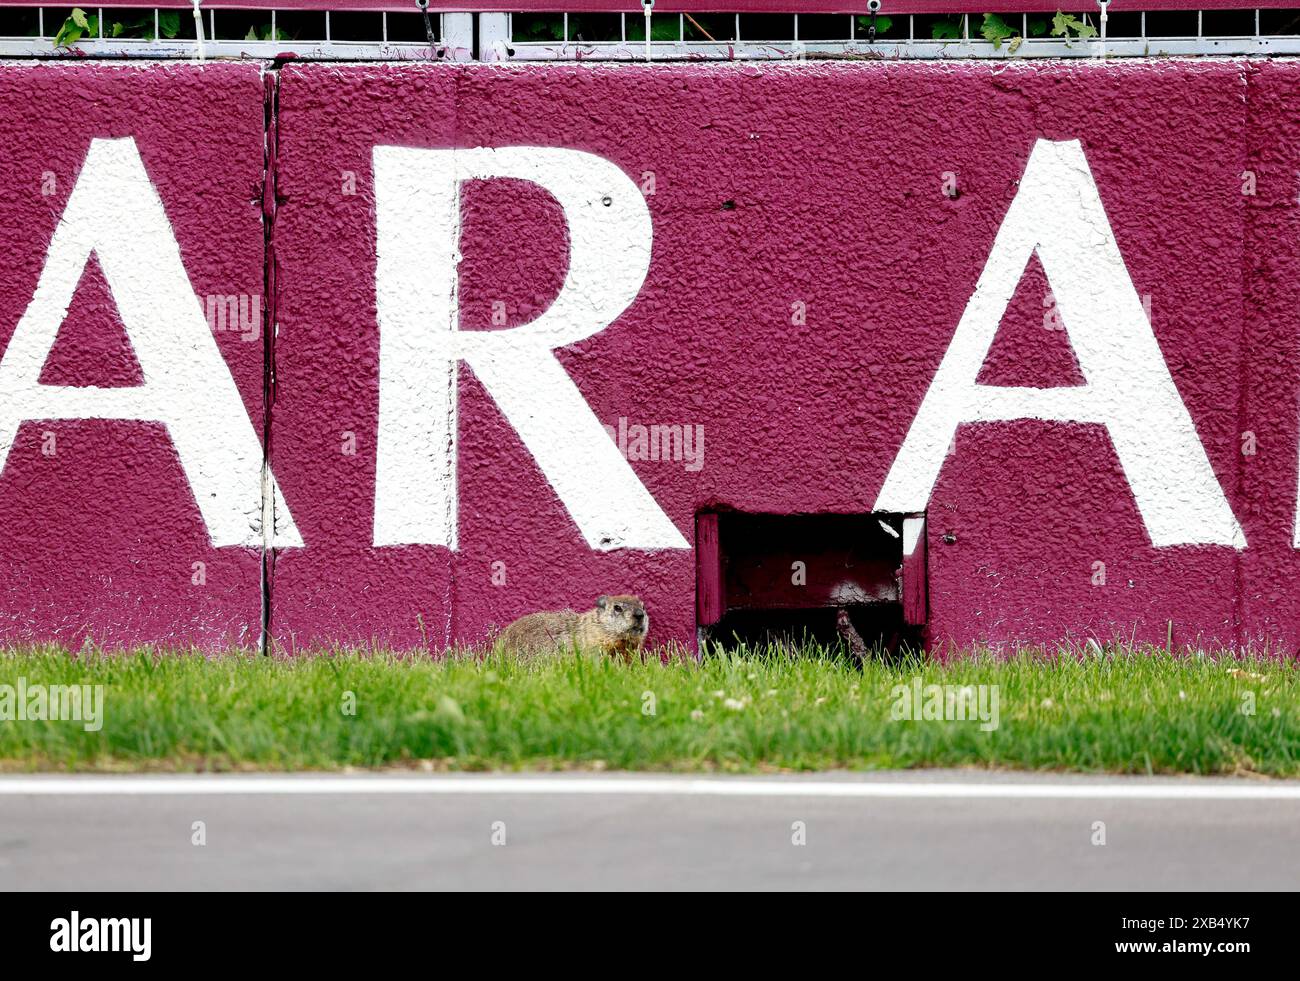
1076,33
235,30
662,30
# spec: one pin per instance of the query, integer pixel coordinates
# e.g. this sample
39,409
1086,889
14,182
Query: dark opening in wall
1171,23
245,25
361,25
595,27
1121,23
536,26
409,28
825,27
766,27
878,632
1228,23
300,25
709,27
1275,22
848,582
20,22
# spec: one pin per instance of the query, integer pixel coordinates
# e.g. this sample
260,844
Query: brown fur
615,627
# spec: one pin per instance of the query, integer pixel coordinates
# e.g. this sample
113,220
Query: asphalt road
916,830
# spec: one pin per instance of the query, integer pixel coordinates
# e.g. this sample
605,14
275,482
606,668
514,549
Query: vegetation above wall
994,28
80,24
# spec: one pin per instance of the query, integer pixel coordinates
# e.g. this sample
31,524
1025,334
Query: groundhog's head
623,616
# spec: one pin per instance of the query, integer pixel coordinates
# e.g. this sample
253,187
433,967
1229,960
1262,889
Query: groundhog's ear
602,602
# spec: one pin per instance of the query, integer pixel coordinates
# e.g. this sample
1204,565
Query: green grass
1127,712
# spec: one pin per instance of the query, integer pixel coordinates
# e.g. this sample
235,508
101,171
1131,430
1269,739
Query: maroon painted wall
99,531
867,197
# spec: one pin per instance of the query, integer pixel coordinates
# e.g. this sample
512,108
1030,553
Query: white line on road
547,786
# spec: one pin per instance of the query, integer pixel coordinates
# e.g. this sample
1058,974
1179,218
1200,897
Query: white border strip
546,786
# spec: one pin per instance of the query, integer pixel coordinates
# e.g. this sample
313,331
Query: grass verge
1126,711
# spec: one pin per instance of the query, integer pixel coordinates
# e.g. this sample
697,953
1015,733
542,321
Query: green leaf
1013,44
883,24
548,27
1063,24
1037,26
78,17
661,29
995,29
169,23
141,27
946,30
67,34
251,35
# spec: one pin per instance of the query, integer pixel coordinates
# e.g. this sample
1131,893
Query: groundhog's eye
618,609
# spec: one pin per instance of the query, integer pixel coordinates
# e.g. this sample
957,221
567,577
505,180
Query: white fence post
493,37
458,36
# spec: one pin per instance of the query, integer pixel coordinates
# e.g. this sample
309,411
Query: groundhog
617,627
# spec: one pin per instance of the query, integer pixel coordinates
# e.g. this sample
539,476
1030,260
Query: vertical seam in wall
271,80
453,498
1243,366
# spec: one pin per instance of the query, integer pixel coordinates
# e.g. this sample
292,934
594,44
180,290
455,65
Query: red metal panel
710,590
915,587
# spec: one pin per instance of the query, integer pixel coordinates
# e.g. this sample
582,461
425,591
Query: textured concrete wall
782,265
100,532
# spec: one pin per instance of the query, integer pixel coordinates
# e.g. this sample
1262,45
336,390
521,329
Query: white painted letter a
1057,212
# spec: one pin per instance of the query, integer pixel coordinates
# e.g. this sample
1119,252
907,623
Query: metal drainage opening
850,582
